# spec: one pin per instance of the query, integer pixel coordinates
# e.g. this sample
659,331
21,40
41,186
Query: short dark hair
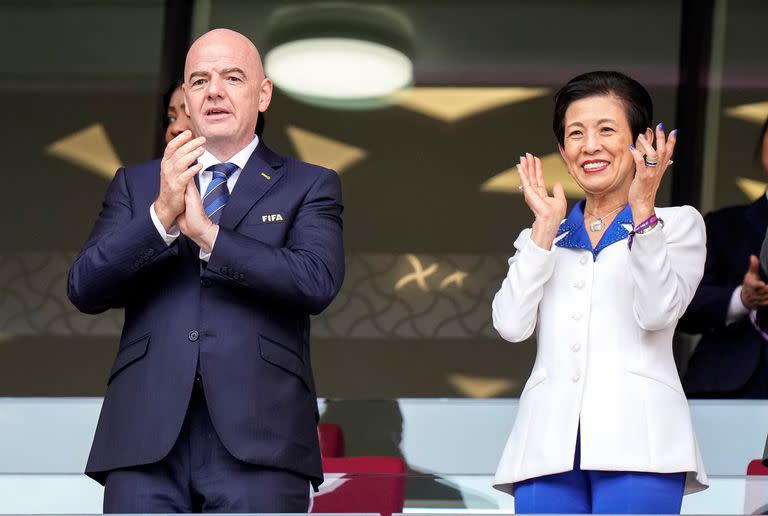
637,101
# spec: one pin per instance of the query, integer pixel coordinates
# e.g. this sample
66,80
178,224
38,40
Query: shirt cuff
207,256
173,232
736,309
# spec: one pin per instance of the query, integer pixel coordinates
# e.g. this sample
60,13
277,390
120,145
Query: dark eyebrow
601,121
233,69
198,74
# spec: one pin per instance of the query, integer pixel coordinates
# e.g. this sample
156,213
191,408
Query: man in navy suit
219,253
730,359
731,303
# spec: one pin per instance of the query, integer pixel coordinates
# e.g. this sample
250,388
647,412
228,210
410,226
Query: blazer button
577,316
205,282
194,335
584,260
576,347
579,284
576,377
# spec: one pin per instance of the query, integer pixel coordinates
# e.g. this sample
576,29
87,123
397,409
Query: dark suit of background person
234,330
731,360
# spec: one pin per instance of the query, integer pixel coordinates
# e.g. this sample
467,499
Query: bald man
219,252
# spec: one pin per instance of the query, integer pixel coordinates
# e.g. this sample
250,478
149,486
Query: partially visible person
176,118
730,360
603,425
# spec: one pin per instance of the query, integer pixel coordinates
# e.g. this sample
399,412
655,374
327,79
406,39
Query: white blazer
604,360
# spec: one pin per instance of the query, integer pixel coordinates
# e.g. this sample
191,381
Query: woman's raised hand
548,211
650,165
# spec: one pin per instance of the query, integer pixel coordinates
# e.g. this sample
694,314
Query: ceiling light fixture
340,55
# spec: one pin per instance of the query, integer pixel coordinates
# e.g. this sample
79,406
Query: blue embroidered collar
576,234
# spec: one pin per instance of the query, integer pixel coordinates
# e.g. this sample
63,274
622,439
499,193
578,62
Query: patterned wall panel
384,296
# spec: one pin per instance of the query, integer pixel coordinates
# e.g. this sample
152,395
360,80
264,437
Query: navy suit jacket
727,356
244,318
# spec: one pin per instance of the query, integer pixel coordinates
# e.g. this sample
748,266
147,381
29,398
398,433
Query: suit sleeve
667,264
764,254
122,245
709,308
307,272
515,306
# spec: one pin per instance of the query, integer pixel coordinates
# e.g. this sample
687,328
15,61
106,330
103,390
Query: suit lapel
756,216
262,172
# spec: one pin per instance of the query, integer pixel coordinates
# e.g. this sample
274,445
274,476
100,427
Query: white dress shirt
204,178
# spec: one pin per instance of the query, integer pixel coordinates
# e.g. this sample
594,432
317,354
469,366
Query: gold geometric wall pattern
555,171
755,112
419,274
751,188
89,148
480,386
321,150
452,104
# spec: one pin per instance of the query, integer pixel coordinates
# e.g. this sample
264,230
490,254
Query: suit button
579,284
576,377
194,335
576,347
205,282
584,259
577,316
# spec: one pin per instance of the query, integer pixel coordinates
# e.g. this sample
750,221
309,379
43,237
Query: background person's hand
548,211
645,185
754,291
176,173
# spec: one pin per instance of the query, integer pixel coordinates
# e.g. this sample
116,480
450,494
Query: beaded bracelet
643,227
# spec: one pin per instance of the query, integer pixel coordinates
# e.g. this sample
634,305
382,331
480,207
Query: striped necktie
217,193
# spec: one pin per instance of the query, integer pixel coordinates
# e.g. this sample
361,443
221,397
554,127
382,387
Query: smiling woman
602,421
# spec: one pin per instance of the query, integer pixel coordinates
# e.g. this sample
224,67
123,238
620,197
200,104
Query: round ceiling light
341,56
338,68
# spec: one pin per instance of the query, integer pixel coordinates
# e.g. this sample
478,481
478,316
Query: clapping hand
548,211
650,165
194,222
177,169
754,291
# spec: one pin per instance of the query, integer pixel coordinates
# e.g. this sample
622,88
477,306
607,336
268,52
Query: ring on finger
649,162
